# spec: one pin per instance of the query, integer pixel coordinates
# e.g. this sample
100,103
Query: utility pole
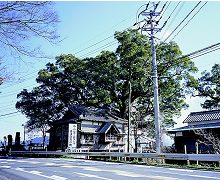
151,21
24,133
129,116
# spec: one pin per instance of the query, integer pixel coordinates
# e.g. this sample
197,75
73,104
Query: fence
171,156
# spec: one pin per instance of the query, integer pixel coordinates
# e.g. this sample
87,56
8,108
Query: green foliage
39,106
103,81
208,86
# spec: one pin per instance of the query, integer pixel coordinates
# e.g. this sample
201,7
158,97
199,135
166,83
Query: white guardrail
173,156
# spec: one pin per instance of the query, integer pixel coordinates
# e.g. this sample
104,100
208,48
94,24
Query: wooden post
119,156
197,152
110,151
186,153
185,149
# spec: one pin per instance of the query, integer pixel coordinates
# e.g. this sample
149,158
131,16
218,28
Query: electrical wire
89,53
84,44
203,51
101,34
173,18
164,10
9,116
183,20
99,49
13,84
9,113
11,92
114,41
189,20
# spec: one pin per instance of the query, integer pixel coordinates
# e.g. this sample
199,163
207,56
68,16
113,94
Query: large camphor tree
208,87
103,81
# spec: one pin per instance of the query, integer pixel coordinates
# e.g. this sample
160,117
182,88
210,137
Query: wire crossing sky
88,28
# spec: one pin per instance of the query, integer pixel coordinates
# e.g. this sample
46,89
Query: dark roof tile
94,114
203,116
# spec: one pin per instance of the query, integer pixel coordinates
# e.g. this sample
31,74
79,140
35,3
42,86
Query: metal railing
173,156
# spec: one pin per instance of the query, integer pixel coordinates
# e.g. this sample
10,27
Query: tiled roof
200,126
94,114
203,116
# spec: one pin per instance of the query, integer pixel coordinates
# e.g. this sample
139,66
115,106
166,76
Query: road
62,169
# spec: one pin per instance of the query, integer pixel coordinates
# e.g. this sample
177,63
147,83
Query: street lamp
24,133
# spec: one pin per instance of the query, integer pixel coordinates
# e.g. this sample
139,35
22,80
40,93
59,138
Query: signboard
179,134
72,136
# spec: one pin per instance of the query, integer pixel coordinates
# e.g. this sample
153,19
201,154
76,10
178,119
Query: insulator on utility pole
152,22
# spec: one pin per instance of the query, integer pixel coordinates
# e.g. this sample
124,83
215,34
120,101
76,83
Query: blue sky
85,23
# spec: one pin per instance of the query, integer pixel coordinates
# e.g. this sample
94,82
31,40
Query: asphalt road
62,169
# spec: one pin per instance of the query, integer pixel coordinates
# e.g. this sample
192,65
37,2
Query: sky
87,28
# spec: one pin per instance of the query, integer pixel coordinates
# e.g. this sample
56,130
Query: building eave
200,126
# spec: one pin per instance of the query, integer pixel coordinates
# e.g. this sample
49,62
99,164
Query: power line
101,34
189,20
7,105
183,20
9,114
93,44
191,56
99,49
173,18
30,78
203,51
86,43
10,92
163,11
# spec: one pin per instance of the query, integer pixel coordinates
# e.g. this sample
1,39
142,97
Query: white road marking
50,164
117,172
142,166
180,174
38,173
90,175
5,167
186,170
35,172
57,177
68,166
167,177
130,175
93,169
112,163
208,177
183,170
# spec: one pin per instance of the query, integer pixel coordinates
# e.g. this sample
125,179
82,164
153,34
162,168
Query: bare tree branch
209,139
20,22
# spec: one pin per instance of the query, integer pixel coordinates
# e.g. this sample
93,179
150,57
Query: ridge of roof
91,114
202,116
105,127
